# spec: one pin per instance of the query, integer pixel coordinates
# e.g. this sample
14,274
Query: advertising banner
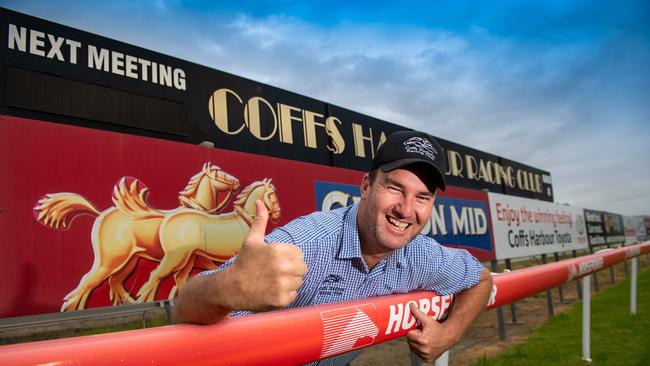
604,228
107,197
525,227
110,85
634,229
93,218
100,218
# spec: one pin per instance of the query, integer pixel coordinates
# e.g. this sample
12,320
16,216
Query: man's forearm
199,301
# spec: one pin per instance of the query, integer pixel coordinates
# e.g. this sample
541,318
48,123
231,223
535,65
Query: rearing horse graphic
133,229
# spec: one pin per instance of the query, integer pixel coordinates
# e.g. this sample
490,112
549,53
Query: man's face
394,209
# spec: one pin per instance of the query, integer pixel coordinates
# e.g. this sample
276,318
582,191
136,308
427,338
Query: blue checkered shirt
337,272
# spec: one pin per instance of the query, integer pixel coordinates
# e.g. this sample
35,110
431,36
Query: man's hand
263,276
429,340
432,339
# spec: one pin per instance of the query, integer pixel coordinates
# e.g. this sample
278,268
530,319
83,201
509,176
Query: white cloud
540,105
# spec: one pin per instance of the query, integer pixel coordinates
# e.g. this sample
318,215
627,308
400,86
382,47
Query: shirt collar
350,246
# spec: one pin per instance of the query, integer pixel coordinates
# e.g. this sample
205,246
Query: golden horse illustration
189,234
128,231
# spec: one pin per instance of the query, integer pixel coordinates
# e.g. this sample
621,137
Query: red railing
299,335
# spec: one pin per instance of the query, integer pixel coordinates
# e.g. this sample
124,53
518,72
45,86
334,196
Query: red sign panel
90,218
93,218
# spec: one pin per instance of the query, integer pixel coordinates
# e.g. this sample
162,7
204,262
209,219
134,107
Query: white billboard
525,227
634,229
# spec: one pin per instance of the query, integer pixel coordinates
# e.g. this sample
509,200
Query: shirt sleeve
457,271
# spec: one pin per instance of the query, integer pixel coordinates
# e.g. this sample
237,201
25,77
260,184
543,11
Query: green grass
617,337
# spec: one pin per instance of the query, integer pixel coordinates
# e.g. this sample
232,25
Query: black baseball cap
404,148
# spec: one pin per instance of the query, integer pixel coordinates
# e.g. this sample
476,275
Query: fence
298,335
106,312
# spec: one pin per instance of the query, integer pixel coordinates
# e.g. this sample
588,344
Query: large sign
85,227
604,228
460,217
119,87
472,168
634,229
524,227
109,198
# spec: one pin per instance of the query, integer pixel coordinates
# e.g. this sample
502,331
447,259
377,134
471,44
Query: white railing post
415,359
443,360
635,265
586,300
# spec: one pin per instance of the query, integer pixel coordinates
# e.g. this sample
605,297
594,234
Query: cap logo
420,146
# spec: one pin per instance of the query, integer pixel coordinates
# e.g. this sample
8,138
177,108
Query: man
371,248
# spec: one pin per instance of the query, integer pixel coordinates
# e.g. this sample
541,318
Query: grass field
617,337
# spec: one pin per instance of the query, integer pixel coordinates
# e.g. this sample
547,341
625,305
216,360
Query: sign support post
443,360
635,266
586,305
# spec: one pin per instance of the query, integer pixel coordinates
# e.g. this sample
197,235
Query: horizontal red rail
516,285
294,336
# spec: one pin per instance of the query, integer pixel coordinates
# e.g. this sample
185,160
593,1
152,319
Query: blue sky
560,85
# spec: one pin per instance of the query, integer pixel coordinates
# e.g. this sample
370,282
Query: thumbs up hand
264,276
429,340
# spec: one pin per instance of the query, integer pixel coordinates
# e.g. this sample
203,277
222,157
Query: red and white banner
290,337
299,335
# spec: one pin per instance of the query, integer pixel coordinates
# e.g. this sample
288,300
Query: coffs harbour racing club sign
287,122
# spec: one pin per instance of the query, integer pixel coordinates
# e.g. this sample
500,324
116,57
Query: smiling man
371,248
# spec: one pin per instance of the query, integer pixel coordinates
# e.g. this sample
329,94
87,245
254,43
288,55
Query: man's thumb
258,227
421,317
